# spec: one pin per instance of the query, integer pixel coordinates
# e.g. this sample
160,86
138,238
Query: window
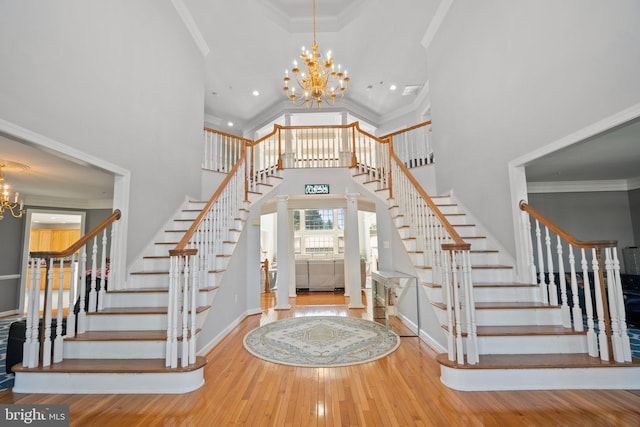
318,219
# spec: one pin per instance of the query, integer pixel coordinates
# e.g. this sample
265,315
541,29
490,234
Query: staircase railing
88,264
297,147
447,255
600,277
195,256
221,150
412,145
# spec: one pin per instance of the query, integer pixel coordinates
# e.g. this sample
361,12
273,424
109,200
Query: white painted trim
122,178
577,186
192,27
31,200
436,21
8,313
633,183
597,128
517,176
10,277
216,340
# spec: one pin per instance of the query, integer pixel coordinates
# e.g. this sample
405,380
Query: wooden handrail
81,242
180,249
405,130
458,244
563,234
230,135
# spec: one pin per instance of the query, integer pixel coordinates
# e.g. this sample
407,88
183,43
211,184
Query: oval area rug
321,341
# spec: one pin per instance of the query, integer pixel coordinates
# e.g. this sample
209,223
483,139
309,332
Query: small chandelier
15,207
321,82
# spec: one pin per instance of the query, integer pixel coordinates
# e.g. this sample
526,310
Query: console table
389,288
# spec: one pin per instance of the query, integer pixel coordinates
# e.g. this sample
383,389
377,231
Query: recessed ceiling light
393,87
230,124
256,93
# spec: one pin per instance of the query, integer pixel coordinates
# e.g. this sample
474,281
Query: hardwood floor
402,389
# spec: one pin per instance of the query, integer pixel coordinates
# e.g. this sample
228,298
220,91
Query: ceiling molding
57,202
583,186
434,25
420,105
192,27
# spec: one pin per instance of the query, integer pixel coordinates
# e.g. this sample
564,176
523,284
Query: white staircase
123,348
521,341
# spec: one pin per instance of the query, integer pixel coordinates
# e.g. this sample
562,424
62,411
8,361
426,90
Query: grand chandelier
321,82
16,207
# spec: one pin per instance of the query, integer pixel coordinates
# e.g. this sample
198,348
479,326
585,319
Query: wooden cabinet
43,239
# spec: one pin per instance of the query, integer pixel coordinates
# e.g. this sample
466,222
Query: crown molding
583,186
57,202
434,25
192,27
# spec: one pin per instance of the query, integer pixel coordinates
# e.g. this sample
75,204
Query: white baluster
194,309
624,336
57,344
456,302
93,295
30,308
597,286
541,280
184,358
616,340
566,315
576,310
451,346
553,289
73,283
34,352
592,342
527,245
170,296
472,339
103,272
46,351
82,314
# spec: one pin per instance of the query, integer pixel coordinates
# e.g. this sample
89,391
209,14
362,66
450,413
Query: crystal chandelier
321,82
15,207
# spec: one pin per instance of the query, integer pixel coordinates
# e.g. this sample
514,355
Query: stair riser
518,317
124,322
114,349
172,236
532,344
506,294
540,378
155,264
148,281
484,258
503,294
161,250
477,243
457,219
109,383
137,299
188,214
448,209
179,225
488,275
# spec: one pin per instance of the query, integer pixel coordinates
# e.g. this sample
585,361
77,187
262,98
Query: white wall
508,77
119,80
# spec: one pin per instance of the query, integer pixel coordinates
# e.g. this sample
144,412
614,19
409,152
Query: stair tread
526,330
138,310
116,366
489,285
510,304
124,336
490,266
149,272
532,361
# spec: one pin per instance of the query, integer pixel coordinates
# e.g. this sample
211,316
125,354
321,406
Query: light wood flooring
402,389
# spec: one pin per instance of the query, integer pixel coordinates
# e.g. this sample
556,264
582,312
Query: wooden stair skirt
109,376
539,372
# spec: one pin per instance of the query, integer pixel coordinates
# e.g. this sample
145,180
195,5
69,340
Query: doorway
49,230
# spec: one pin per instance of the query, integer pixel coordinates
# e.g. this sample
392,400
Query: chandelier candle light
321,82
15,207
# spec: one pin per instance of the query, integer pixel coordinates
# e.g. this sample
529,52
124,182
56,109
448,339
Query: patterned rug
6,380
321,341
